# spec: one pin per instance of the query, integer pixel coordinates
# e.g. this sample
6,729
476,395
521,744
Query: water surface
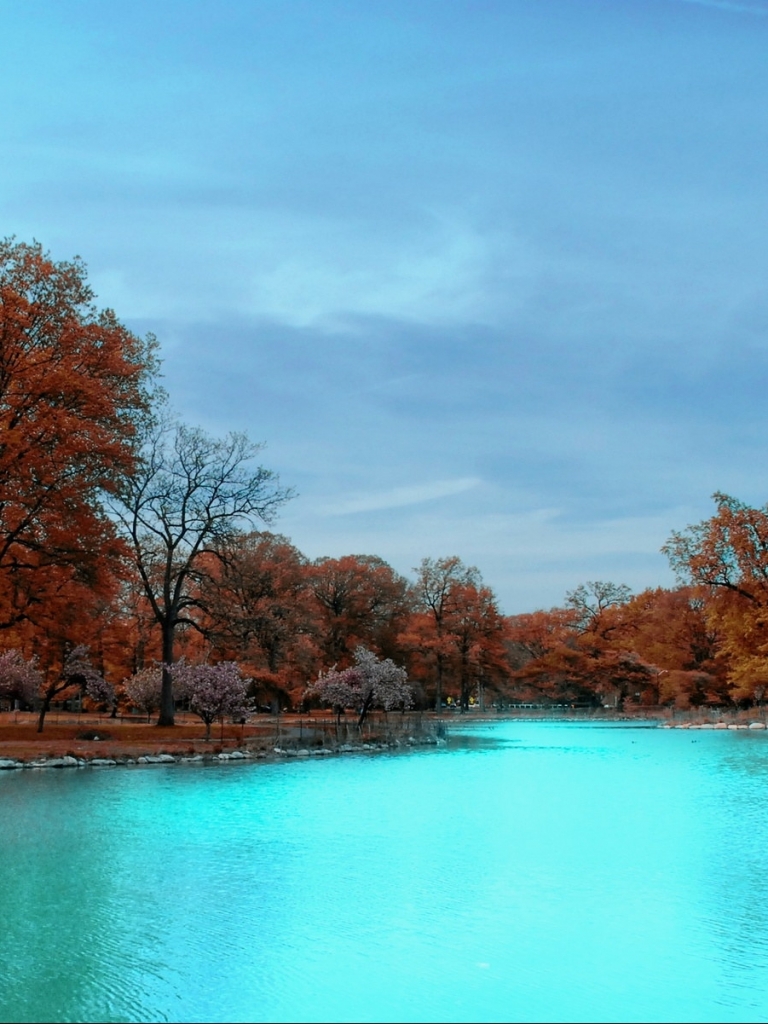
529,871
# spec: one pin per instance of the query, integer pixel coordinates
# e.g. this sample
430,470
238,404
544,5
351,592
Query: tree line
135,549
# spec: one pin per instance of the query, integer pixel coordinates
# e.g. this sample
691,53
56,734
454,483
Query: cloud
761,9
400,497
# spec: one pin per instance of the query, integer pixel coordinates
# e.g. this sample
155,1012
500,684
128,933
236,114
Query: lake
527,871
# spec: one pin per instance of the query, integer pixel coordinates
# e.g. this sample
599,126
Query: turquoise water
527,872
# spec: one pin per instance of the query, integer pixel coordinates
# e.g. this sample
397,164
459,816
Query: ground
66,733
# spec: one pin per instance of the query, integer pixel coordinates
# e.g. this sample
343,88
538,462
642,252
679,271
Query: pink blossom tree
77,673
337,690
19,679
371,682
213,691
144,689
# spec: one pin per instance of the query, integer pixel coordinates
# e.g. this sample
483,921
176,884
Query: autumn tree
73,385
673,631
453,611
475,641
361,600
260,610
581,653
429,629
726,557
187,494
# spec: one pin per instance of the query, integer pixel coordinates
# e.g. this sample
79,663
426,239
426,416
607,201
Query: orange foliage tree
360,600
726,557
73,384
258,608
456,634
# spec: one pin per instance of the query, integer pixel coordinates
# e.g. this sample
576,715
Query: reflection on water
525,872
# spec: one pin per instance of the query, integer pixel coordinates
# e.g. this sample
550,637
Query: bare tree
190,491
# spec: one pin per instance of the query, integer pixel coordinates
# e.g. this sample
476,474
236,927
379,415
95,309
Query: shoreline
99,743
237,755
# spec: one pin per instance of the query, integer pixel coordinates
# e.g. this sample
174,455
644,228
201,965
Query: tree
20,679
361,600
261,612
436,587
726,558
144,689
476,640
336,689
591,603
580,654
188,493
214,691
370,682
74,383
77,674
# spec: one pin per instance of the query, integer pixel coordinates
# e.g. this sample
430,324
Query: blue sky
488,277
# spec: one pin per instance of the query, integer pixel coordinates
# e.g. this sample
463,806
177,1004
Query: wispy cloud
757,7
399,497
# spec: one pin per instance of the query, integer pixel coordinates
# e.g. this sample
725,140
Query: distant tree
430,631
591,602
259,610
188,493
214,691
360,600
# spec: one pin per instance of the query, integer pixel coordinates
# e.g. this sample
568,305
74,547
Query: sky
488,278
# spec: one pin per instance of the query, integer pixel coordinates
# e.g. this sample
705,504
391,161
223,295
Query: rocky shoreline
752,726
245,754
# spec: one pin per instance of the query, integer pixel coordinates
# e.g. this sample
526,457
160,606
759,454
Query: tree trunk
167,705
364,711
44,708
439,686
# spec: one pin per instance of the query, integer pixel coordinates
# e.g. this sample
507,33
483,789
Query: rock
142,760
721,725
708,725
6,763
223,756
193,757
734,727
757,725
302,753
101,762
236,755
